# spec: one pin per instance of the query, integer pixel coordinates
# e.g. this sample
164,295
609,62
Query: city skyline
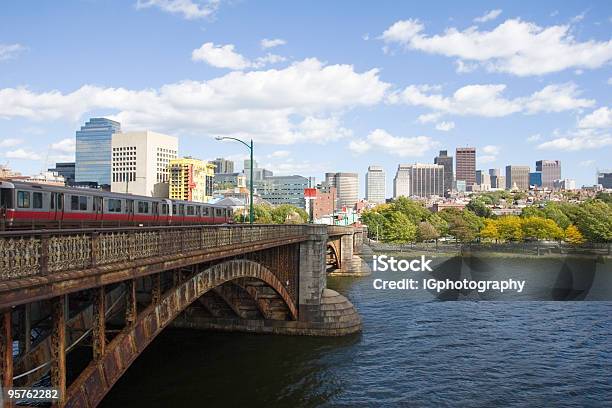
380,93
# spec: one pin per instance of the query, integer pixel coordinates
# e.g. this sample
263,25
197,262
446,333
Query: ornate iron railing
32,253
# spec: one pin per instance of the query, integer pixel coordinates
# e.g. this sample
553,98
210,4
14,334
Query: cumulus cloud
445,126
279,154
487,100
380,139
301,101
600,118
491,149
22,154
10,142
65,145
488,16
490,154
224,56
514,46
10,51
587,163
534,138
188,9
429,117
267,43
582,139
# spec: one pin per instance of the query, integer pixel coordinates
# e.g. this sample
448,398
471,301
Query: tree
288,214
439,224
540,228
261,214
478,207
414,210
573,235
375,222
398,228
427,232
509,228
490,230
594,220
462,225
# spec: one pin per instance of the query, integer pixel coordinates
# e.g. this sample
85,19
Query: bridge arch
333,254
99,376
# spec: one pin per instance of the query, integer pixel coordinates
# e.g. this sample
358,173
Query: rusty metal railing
44,252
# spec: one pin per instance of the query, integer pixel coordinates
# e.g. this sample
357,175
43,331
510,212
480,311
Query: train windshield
6,198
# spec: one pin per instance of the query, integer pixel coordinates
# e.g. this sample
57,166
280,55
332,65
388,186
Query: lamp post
250,147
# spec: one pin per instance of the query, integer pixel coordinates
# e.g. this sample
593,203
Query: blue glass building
93,150
535,179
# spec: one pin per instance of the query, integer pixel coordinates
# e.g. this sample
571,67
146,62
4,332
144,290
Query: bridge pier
346,243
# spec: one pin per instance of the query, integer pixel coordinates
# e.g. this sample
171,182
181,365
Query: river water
415,350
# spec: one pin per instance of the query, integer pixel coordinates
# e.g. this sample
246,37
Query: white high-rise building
375,185
401,182
140,162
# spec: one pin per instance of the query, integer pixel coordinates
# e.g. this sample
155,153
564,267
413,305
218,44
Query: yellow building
191,179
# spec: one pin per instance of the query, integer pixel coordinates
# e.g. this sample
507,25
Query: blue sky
337,86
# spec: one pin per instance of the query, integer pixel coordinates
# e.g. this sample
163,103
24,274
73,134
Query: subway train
36,206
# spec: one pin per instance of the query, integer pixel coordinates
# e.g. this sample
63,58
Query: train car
35,206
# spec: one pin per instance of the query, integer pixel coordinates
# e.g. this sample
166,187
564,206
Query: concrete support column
313,276
346,252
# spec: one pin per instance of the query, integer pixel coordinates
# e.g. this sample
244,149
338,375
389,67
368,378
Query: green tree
439,224
462,225
594,220
414,210
288,214
398,228
375,222
261,211
478,207
426,231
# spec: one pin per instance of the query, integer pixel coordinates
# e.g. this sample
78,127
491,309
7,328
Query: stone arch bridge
112,291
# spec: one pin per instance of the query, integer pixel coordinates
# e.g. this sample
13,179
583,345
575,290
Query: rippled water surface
414,351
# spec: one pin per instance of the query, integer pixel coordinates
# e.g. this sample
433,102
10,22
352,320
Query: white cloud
578,18
220,56
10,142
10,51
22,154
491,149
488,16
487,100
587,163
266,43
514,46
445,126
600,118
291,167
429,117
487,159
189,9
534,138
279,154
224,56
65,145
281,106
610,81
398,146
582,139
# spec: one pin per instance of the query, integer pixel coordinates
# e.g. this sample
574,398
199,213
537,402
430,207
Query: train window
52,201
83,203
114,205
174,209
37,200
23,199
198,211
59,201
164,209
190,210
181,209
6,198
206,211
143,207
218,212
78,203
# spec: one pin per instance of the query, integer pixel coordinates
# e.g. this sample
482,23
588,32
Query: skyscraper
483,179
423,180
191,179
446,161
347,188
283,189
140,162
497,180
223,166
93,150
535,179
517,175
466,165
604,177
375,185
551,171
401,181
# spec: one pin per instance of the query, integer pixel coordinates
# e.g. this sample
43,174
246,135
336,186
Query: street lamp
250,147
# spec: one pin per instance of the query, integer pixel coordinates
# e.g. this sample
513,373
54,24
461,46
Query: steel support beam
131,310
156,291
6,353
27,329
98,326
58,346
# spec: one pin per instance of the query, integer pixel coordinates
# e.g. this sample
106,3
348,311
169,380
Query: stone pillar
346,252
313,276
